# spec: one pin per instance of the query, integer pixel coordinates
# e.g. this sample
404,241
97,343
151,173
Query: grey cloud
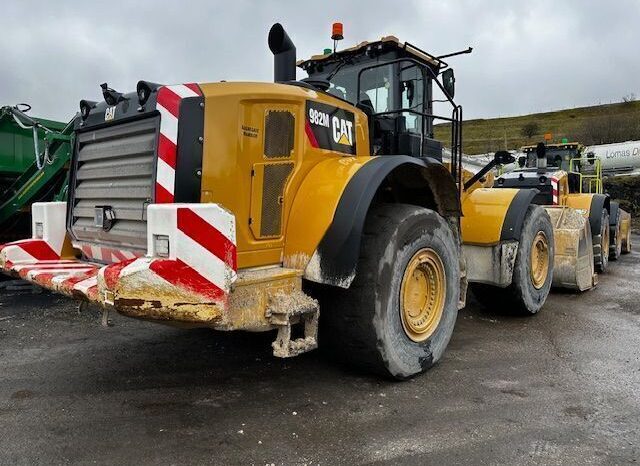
528,56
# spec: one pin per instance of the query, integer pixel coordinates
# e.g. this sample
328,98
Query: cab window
412,94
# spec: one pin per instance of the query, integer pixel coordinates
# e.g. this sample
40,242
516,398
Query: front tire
532,273
397,317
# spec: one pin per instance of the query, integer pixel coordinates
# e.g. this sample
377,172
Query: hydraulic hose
18,116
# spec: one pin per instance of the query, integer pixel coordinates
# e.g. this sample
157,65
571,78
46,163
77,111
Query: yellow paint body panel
581,202
234,129
484,211
314,207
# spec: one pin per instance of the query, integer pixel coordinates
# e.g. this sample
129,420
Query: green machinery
34,157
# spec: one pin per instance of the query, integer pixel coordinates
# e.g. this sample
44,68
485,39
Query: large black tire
363,324
523,296
601,244
615,238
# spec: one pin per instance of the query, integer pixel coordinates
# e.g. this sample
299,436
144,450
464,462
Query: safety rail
590,182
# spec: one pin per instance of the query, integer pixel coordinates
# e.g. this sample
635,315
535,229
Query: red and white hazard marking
554,189
104,254
49,232
202,251
168,105
200,265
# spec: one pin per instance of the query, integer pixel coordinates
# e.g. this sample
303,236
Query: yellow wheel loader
576,181
211,205
583,247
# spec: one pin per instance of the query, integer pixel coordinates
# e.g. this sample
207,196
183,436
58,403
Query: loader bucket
625,231
573,260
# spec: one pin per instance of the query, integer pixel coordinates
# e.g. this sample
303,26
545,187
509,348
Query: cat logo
330,127
342,131
109,113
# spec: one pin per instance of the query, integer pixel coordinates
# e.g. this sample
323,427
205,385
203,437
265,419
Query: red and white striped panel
109,255
48,221
554,189
202,253
168,104
65,276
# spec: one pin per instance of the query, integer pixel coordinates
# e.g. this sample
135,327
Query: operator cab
392,83
559,156
541,168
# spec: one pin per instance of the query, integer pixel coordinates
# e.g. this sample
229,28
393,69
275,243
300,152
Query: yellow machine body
484,211
235,167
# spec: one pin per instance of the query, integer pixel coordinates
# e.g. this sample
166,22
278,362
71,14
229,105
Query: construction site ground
562,387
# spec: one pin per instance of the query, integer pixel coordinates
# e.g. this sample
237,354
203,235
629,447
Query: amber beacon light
336,34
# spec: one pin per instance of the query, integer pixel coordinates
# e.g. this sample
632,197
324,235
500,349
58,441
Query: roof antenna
336,34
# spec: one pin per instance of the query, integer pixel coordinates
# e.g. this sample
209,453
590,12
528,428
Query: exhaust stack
541,154
284,54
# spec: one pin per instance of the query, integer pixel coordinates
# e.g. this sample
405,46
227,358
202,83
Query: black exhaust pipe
284,54
541,155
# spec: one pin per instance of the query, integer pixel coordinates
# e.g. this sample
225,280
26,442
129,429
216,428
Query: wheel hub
539,260
422,295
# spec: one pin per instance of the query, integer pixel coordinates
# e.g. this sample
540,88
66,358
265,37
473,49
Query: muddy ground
560,388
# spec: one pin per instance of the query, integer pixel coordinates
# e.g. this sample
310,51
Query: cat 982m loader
212,204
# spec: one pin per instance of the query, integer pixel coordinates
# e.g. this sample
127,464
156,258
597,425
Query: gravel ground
562,387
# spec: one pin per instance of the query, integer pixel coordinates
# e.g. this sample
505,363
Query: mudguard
491,229
493,215
335,259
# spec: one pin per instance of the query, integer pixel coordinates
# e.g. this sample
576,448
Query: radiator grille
115,167
278,134
275,177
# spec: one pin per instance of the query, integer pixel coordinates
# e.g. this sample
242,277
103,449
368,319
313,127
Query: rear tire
615,235
530,283
601,244
370,324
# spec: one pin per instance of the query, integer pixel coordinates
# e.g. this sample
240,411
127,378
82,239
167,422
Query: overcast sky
528,56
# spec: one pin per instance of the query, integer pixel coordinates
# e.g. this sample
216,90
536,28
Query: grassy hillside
590,125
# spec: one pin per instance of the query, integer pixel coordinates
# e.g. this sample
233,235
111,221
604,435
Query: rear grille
114,167
275,177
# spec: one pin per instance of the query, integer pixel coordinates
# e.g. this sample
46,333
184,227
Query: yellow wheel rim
539,260
422,294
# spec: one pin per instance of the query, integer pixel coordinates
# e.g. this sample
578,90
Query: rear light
143,94
85,108
39,233
161,245
144,89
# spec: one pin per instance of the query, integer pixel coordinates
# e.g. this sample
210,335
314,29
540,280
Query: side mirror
449,82
502,157
591,157
522,161
408,85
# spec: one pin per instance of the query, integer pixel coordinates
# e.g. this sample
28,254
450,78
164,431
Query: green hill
599,124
